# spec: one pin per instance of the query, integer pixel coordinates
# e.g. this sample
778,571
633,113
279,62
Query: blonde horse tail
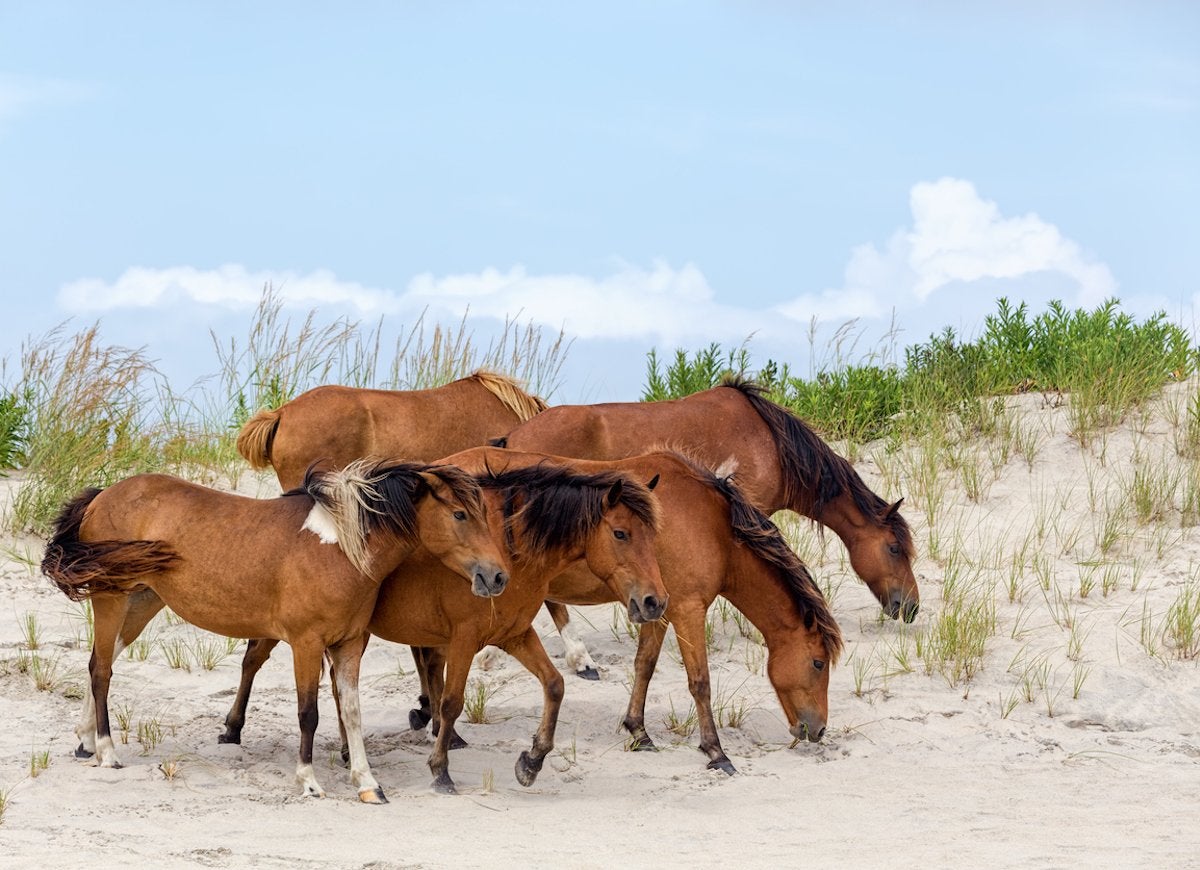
257,436
83,569
510,394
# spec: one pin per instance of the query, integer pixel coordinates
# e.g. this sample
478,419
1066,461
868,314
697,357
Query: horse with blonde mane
245,567
334,425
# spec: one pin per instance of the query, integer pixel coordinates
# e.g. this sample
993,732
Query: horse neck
840,515
755,588
387,556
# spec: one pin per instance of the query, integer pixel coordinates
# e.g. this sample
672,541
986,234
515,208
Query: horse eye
620,535
460,515
818,664
894,549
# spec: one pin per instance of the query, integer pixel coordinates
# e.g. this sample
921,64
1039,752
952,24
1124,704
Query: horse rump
85,568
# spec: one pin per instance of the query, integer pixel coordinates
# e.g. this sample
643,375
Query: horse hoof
588,673
444,785
457,742
723,765
230,737
643,744
313,791
417,720
526,769
80,752
372,796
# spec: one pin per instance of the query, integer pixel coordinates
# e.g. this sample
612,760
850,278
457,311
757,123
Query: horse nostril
650,604
820,734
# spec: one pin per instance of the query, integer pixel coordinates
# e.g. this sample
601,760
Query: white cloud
660,303
956,239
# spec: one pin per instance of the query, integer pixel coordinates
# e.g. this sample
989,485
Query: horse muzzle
898,605
808,728
488,581
648,608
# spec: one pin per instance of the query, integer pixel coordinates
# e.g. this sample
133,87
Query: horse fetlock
308,781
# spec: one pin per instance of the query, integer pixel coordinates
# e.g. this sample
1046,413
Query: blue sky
638,174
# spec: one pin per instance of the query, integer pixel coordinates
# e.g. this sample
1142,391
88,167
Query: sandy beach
1076,742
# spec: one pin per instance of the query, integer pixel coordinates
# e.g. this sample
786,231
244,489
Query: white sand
913,772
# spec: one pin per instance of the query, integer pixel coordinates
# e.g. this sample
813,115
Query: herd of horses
444,519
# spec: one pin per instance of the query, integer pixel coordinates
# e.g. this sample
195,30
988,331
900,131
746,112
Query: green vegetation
1106,363
80,413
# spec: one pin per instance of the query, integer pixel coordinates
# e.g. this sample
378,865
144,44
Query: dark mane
554,507
813,474
756,531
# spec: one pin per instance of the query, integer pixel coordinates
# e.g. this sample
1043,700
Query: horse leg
458,665
435,678
689,629
418,718
143,605
306,661
337,701
347,659
528,650
258,650
108,615
650,641
577,655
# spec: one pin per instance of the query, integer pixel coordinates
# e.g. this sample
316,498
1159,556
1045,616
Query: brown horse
336,425
551,514
780,464
711,542
247,567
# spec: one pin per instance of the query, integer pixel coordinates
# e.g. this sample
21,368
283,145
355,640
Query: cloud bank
957,243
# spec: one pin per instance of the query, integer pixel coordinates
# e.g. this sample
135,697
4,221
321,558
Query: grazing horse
548,514
780,464
247,567
712,541
336,425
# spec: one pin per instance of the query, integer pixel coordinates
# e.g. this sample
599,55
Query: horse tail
83,569
257,437
510,394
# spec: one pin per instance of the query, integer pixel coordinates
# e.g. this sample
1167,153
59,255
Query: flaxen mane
82,569
370,495
558,508
813,474
510,394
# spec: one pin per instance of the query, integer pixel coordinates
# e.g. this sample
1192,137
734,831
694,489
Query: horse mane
557,507
813,474
754,529
82,569
509,392
370,495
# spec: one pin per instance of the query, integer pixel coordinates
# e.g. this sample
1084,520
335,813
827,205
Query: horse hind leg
578,658
108,616
258,650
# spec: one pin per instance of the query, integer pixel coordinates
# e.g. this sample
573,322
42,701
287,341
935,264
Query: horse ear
614,494
653,482
428,483
891,511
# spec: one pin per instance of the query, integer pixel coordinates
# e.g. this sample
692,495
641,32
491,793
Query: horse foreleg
577,655
458,665
108,615
689,629
347,659
258,650
650,641
528,650
306,661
